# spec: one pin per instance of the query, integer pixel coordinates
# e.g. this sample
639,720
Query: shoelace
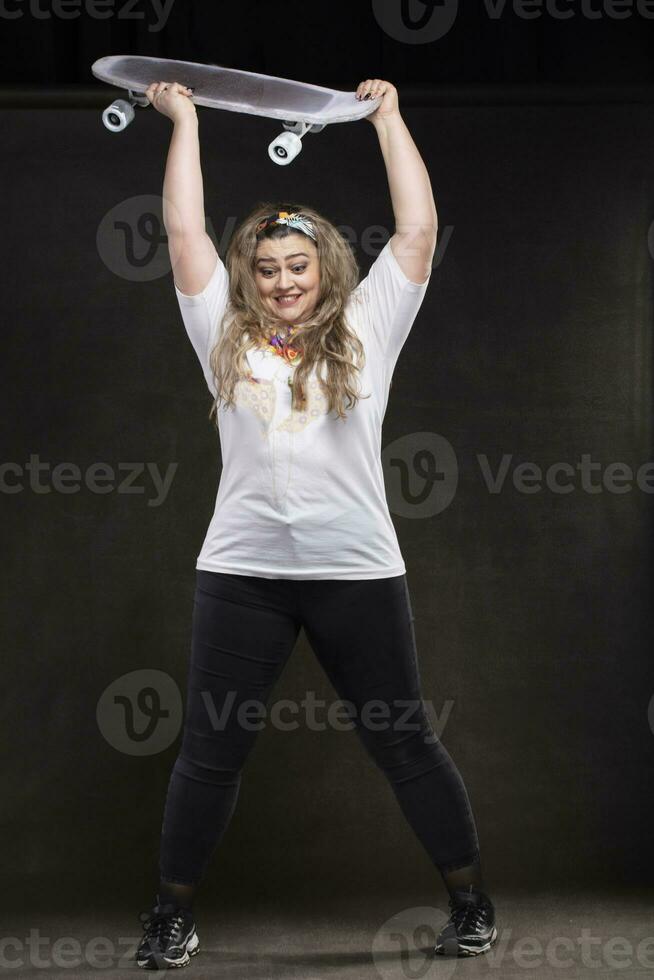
161,925
466,915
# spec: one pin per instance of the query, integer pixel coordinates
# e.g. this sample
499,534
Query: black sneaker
470,928
169,938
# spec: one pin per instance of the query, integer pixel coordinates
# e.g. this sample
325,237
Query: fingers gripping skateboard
120,113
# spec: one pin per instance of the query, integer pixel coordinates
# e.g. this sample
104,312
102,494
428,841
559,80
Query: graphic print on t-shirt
268,396
261,397
260,394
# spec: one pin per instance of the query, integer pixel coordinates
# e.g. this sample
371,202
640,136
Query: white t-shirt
301,494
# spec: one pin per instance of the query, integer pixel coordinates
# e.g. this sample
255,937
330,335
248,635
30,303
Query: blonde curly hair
325,340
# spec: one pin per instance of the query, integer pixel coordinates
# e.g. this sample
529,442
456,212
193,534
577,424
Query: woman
298,356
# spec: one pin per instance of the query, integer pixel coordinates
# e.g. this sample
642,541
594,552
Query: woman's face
288,267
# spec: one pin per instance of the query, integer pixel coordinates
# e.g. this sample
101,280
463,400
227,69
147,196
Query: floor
540,936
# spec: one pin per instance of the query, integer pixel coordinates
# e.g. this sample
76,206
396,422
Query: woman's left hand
373,87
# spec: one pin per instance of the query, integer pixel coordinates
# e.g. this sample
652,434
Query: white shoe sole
192,947
452,947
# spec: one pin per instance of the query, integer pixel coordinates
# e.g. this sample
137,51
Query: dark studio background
532,610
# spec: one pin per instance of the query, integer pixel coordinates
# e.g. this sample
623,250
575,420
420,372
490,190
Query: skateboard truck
283,150
286,147
120,113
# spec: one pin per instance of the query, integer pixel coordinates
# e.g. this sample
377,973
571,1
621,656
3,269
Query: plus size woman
298,355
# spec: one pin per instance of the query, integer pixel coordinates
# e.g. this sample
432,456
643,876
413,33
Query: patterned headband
294,220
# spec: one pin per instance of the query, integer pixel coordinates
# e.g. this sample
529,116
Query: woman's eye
296,269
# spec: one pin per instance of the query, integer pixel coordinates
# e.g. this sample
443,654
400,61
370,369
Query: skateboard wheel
118,115
285,148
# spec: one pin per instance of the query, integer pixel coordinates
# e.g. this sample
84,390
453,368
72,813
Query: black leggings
362,631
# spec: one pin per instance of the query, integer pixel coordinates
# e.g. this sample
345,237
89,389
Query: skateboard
302,108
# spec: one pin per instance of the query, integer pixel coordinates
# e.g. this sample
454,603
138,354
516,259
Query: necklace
282,346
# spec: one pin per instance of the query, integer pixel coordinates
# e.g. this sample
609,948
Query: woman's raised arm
416,221
193,255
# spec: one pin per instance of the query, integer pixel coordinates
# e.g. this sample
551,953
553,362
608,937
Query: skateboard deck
300,106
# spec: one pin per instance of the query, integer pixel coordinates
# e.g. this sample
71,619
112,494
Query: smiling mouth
288,300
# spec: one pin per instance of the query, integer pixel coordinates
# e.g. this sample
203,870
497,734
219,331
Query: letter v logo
416,21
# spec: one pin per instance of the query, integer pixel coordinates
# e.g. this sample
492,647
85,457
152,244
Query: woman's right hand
171,99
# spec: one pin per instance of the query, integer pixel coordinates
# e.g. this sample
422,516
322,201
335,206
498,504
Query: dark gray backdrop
532,609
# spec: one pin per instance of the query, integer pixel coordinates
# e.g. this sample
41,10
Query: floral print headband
294,220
